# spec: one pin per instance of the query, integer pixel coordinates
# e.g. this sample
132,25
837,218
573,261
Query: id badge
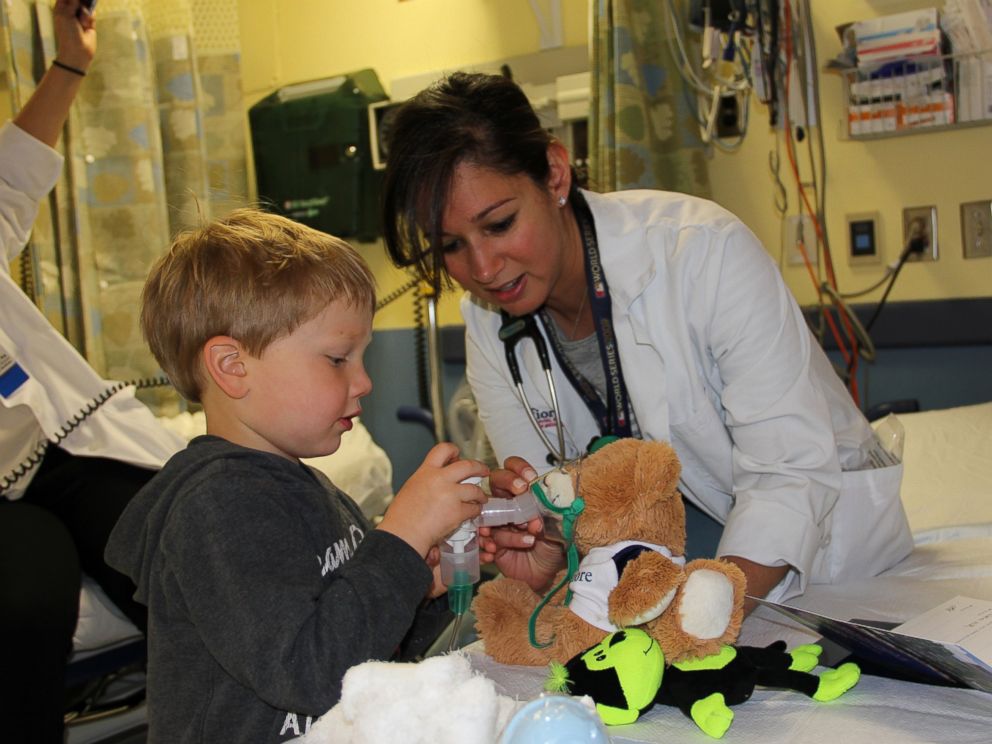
12,374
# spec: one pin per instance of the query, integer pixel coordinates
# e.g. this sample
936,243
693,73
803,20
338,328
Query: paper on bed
936,660
964,621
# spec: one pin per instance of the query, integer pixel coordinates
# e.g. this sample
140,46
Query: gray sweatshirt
264,584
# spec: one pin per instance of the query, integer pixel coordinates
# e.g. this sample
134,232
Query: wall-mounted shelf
918,95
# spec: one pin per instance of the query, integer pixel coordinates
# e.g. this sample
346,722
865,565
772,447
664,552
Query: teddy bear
624,517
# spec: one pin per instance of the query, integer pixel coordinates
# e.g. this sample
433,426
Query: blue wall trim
961,322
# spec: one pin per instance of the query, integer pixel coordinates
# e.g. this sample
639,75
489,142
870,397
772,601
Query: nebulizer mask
551,497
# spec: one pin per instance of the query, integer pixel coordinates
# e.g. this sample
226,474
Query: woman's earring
562,201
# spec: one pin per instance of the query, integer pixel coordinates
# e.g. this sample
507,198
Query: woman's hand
535,563
519,551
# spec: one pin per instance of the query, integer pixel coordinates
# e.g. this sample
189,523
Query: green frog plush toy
625,675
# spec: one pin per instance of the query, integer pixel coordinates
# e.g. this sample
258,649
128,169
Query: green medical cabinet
313,162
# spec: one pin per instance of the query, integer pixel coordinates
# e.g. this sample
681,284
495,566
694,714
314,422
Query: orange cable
850,358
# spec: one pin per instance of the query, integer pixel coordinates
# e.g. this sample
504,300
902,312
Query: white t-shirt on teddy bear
600,571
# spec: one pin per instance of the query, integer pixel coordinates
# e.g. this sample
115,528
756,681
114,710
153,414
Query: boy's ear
224,360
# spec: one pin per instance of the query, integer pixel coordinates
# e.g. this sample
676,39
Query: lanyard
614,417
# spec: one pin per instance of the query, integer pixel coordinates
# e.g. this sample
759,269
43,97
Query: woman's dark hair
485,120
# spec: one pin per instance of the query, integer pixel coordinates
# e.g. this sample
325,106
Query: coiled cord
32,460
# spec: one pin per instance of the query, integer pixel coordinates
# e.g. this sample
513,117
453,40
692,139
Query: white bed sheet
877,710
947,491
947,471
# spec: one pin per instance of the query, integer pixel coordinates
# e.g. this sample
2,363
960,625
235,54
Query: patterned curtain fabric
155,144
643,130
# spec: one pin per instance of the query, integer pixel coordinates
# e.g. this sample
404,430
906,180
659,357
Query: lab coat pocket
868,531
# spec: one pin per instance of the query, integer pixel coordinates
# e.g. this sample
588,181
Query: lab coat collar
628,265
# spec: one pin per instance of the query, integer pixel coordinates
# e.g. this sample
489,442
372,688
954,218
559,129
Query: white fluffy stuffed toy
436,701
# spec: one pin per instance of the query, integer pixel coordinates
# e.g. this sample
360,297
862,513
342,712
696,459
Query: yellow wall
288,41
884,175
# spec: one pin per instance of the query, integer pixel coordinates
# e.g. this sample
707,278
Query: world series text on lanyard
613,418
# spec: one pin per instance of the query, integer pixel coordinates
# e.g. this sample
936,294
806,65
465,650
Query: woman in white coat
666,319
57,503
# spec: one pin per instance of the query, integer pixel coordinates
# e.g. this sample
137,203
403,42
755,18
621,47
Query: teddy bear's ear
656,469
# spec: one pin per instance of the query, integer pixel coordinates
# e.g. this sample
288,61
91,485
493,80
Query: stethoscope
613,415
514,330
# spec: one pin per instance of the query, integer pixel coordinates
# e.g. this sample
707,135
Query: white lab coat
718,360
60,382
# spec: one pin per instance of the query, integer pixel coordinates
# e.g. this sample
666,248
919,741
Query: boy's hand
434,501
519,552
434,562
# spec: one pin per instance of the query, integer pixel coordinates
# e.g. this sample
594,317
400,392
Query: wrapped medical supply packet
880,449
891,436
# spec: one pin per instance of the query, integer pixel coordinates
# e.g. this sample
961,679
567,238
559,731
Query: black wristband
69,68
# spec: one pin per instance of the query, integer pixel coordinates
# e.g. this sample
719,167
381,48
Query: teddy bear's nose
558,488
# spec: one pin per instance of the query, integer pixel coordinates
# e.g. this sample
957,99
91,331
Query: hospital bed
947,492
105,641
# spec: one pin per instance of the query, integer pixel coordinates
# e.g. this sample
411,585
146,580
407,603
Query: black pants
47,538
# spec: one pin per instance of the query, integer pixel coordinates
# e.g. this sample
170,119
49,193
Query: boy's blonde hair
252,275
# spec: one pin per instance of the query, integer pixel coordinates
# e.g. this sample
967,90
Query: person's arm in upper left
45,113
29,167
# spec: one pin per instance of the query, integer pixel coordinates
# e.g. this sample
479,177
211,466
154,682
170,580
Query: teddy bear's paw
502,610
707,604
805,658
836,682
645,590
712,715
646,616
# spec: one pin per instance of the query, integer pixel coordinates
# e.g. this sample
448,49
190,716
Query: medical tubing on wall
26,279
420,346
396,294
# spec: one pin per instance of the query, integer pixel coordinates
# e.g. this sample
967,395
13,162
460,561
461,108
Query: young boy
264,583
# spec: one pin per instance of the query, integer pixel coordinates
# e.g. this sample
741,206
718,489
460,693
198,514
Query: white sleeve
786,472
28,170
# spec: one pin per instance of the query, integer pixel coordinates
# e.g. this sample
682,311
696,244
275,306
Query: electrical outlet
976,229
920,224
794,228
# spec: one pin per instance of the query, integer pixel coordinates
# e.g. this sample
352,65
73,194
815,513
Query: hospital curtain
643,131
155,142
